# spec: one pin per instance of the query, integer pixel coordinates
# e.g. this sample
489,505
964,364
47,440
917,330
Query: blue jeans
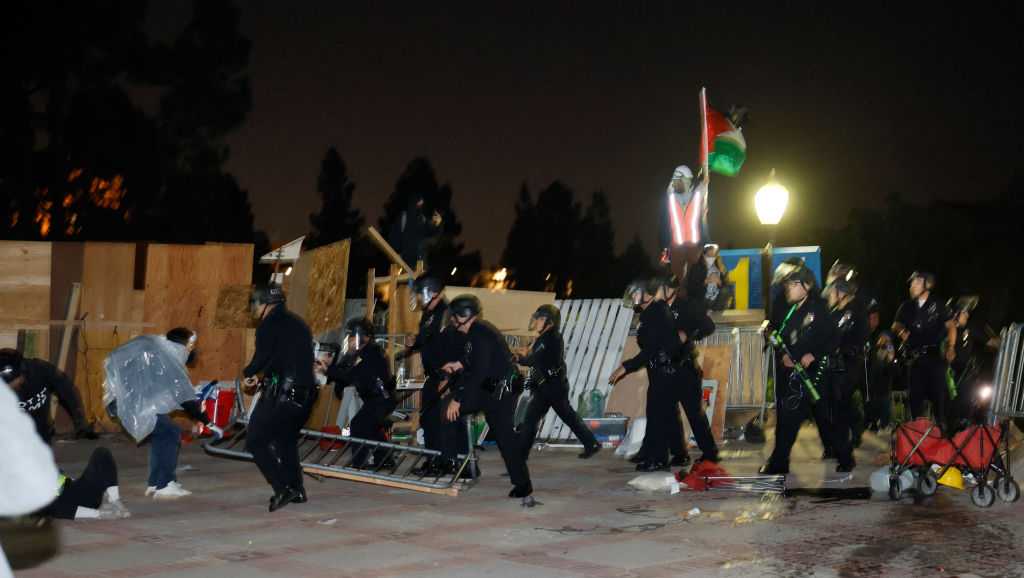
163,452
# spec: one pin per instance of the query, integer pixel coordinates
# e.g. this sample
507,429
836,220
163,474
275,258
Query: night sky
847,104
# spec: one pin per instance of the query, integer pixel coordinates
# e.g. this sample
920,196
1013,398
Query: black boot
521,491
283,498
846,466
652,466
680,461
771,469
589,452
637,458
423,470
301,498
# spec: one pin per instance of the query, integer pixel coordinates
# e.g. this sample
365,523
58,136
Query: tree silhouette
336,219
441,248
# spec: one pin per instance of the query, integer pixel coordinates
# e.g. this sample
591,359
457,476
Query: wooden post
394,314
65,341
371,290
388,250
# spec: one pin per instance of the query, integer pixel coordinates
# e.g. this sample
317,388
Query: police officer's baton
778,343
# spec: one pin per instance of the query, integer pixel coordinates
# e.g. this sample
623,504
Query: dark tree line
973,248
555,244
338,219
80,159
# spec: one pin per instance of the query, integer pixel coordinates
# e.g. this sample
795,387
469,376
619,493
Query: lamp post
770,202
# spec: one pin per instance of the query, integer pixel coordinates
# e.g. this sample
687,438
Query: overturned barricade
392,465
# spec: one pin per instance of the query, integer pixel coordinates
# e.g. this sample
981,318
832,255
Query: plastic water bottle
596,405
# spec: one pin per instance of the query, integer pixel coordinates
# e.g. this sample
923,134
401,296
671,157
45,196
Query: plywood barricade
125,289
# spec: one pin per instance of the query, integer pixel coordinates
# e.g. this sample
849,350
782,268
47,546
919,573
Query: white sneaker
150,490
170,492
179,487
114,511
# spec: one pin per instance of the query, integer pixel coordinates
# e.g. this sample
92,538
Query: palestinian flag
725,145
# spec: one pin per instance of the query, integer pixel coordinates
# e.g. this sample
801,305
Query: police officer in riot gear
673,375
805,331
284,357
970,362
549,382
843,277
428,298
488,382
845,364
35,381
923,324
881,369
365,367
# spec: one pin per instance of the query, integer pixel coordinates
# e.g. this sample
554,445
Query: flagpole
704,145
704,134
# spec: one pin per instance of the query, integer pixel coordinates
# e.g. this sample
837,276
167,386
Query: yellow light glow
501,275
770,202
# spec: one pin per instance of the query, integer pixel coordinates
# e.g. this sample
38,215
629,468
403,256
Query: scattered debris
328,522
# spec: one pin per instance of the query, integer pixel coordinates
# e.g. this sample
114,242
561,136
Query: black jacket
284,348
367,371
809,330
430,339
42,379
546,361
851,332
691,317
657,337
486,361
927,323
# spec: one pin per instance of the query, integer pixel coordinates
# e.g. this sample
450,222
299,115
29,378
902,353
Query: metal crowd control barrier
332,456
381,463
750,365
1009,376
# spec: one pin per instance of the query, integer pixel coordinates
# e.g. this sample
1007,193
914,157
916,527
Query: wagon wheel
983,496
927,483
1007,489
895,492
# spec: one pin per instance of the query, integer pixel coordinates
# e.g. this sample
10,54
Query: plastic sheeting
146,377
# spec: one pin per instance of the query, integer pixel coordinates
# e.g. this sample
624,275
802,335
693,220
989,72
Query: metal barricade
362,460
1009,375
748,374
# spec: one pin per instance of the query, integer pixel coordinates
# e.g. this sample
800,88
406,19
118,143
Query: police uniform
881,372
922,355
488,383
366,370
550,385
284,355
673,378
845,373
804,329
430,345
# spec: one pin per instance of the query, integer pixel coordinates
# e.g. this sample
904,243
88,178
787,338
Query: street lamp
770,201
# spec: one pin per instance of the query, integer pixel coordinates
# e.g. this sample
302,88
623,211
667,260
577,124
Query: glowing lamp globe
770,203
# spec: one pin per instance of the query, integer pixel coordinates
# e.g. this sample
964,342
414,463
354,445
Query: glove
86,431
218,432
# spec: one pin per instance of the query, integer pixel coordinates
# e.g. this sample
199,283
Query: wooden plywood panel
316,286
25,286
629,396
716,361
233,307
66,266
507,310
183,283
109,303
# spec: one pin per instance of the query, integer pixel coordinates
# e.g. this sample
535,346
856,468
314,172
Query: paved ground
590,525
